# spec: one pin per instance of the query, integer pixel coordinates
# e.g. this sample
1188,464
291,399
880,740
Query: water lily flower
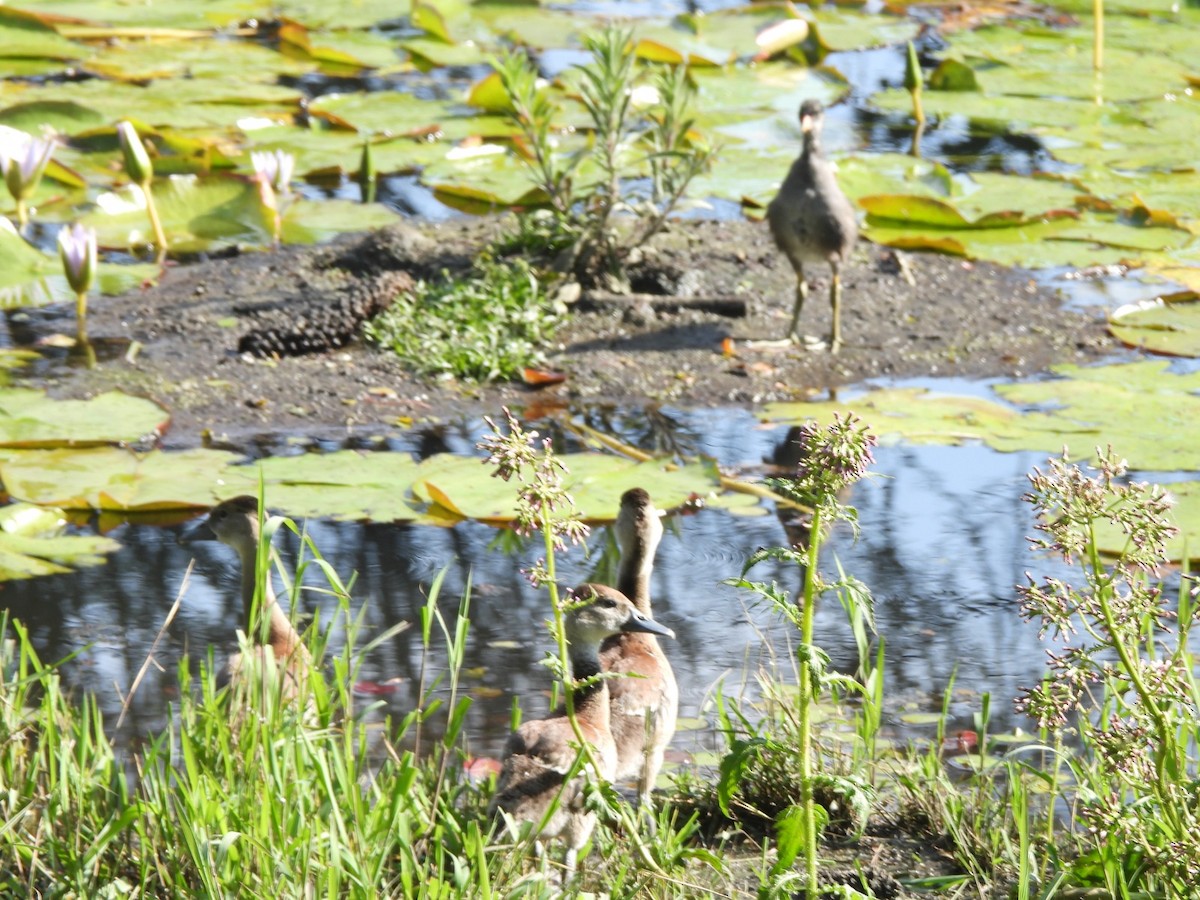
275,167
77,248
23,160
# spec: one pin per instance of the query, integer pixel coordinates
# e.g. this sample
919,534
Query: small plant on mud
640,159
1128,688
487,327
832,459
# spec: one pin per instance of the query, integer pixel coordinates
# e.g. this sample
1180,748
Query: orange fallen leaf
542,377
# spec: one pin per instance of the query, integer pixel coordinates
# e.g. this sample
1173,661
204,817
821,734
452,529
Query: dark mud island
268,341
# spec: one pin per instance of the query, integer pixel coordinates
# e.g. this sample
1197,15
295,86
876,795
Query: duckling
812,221
644,708
235,523
541,752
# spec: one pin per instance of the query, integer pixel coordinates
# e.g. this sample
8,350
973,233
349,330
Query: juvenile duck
541,752
643,709
812,221
235,524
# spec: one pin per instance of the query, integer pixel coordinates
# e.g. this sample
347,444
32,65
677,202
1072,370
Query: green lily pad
198,214
25,37
595,480
29,418
330,151
116,479
94,13
1008,113
346,485
847,29
195,58
313,221
383,112
1091,239
32,544
1140,408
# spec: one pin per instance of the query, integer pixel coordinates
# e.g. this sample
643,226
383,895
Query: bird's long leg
801,296
835,300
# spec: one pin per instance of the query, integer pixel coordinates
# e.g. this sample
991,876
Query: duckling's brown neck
633,577
281,636
591,702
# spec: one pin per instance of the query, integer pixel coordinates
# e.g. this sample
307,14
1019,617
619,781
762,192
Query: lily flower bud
77,248
137,160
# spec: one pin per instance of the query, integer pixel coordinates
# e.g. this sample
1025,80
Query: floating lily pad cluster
1144,410
1119,179
81,456
207,85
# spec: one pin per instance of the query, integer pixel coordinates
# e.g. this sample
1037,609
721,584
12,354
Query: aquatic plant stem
806,699
81,317
22,212
160,236
1098,35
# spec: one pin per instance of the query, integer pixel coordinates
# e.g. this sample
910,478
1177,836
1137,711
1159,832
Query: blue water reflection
943,541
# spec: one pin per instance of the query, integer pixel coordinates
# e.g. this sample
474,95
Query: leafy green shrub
482,328
637,164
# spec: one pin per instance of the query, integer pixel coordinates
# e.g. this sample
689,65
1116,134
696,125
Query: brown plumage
235,524
643,708
812,221
541,752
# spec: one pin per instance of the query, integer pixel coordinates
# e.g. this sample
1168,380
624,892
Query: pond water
942,544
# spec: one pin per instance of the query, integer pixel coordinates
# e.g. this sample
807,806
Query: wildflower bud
77,248
137,160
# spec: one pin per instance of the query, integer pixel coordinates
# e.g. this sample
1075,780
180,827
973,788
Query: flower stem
81,317
160,237
805,701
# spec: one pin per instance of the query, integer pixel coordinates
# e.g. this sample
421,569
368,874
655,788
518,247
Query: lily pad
346,485
115,479
595,480
1142,409
32,544
28,418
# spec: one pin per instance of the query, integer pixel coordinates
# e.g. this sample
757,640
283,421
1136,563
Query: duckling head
812,113
607,612
233,522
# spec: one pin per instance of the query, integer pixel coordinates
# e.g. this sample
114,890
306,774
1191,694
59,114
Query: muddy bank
919,314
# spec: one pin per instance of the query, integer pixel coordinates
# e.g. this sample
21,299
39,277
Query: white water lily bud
137,160
77,248
275,167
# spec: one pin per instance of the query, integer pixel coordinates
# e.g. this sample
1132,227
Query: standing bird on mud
539,755
645,707
235,523
812,221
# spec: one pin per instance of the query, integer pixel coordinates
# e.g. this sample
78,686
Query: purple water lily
23,160
77,249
